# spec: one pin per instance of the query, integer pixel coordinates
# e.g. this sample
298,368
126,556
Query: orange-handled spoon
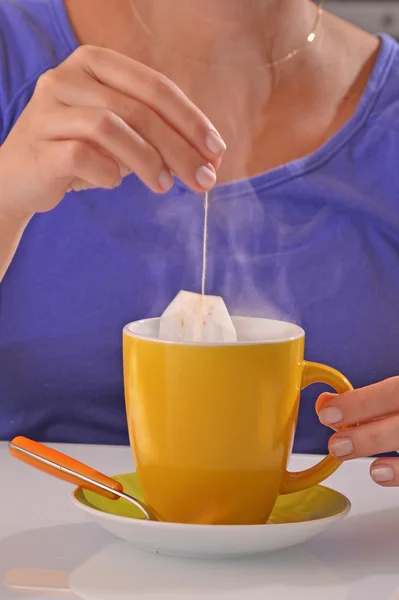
68,469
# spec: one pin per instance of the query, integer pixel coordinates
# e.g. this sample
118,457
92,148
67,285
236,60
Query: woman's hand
370,418
96,118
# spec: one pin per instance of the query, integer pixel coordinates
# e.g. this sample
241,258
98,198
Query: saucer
295,519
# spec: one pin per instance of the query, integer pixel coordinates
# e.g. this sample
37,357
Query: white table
47,545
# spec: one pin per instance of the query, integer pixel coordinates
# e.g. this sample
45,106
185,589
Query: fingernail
330,415
206,177
382,474
341,447
166,180
214,142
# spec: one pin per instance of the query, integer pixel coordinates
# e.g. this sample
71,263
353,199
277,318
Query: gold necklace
272,64
309,40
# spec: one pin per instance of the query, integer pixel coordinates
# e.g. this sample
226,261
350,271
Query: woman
304,219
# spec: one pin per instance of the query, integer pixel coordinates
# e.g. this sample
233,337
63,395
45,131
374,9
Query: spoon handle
64,467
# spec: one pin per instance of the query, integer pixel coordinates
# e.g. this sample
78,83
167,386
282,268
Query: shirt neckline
64,26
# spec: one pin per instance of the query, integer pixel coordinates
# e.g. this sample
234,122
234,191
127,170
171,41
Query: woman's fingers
385,471
179,156
139,82
359,406
367,423
99,116
60,166
110,133
76,160
368,439
163,150
128,146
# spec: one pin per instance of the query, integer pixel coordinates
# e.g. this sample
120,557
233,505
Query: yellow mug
211,425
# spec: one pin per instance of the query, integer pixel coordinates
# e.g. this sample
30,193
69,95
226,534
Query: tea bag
198,317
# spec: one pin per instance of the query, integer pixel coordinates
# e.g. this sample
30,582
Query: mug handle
295,482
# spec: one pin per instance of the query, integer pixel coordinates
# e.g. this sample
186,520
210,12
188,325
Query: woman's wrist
12,227
13,217
10,210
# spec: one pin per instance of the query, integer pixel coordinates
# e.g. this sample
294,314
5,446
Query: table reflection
83,562
357,559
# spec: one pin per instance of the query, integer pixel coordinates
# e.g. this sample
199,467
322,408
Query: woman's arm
11,230
12,225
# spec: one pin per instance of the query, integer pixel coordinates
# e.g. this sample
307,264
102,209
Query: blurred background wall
374,15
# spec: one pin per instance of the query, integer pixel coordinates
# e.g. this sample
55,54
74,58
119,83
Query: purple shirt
315,241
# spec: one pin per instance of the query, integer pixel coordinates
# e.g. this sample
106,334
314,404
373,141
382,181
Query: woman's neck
230,33
211,33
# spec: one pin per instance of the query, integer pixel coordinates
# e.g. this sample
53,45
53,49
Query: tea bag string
205,244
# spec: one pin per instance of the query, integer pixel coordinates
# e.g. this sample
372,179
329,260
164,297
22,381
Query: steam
254,241
245,221
238,265
257,250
